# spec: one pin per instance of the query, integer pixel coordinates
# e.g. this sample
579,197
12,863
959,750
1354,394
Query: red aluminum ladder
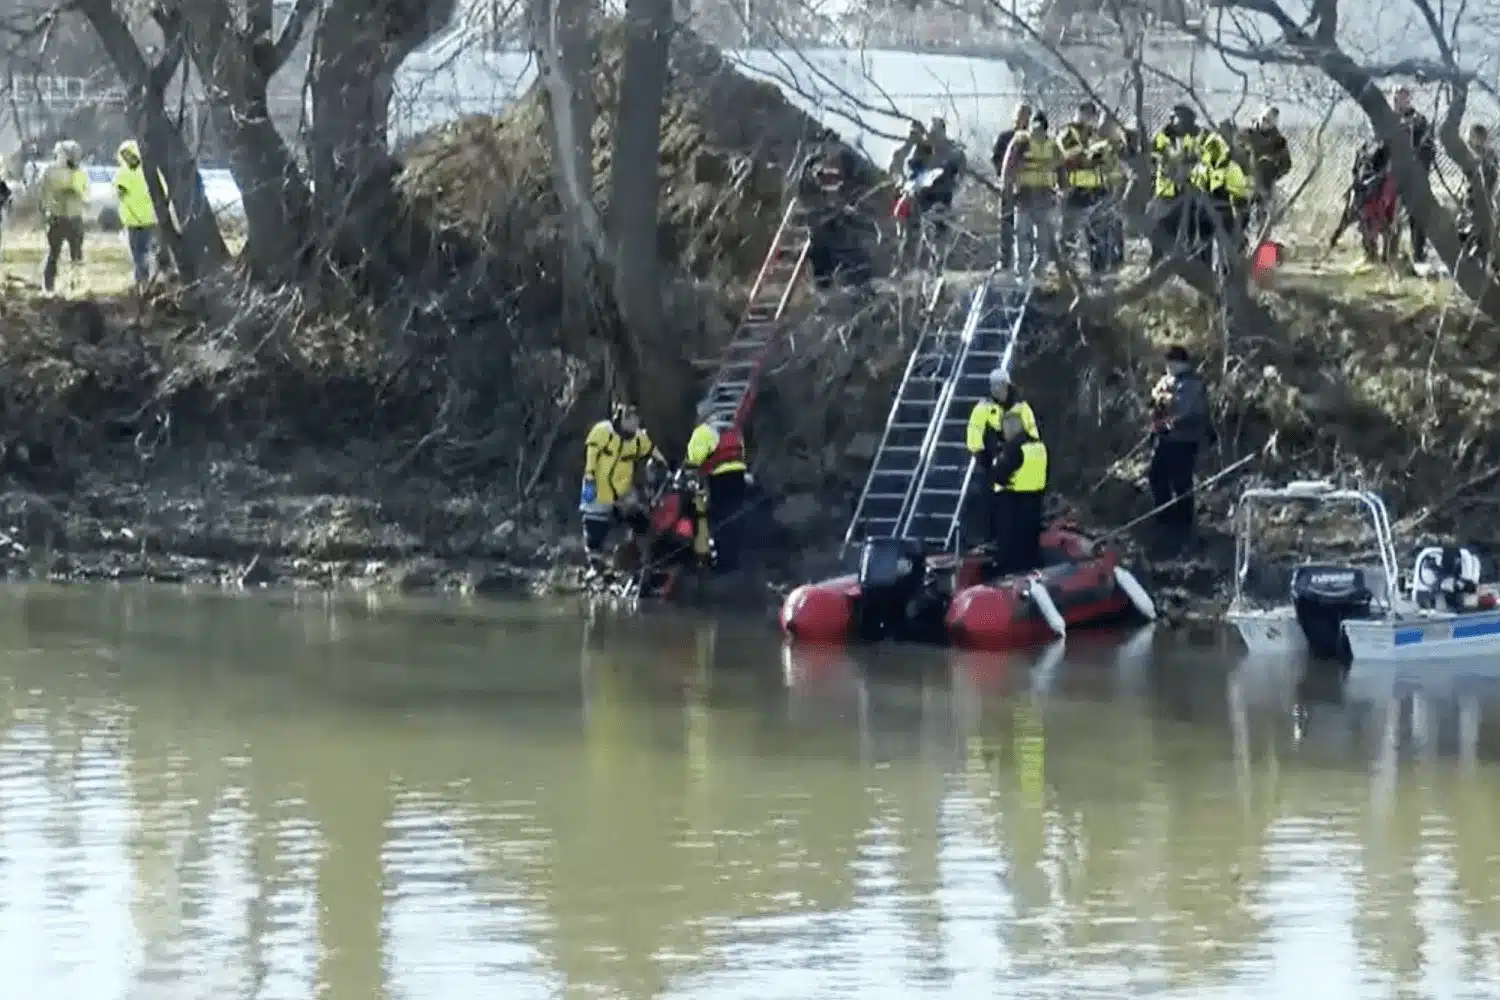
732,391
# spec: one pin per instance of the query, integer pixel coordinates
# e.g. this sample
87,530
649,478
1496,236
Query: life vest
1077,142
712,451
1031,477
1038,169
728,455
1172,155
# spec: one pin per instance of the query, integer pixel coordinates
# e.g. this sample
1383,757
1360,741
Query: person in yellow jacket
611,451
716,451
1018,484
1225,198
1086,156
1028,180
137,213
985,439
1174,151
65,189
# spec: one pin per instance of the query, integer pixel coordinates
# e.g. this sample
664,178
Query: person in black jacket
1182,427
1020,123
1424,143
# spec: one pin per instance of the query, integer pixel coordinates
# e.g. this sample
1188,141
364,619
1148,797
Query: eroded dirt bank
141,444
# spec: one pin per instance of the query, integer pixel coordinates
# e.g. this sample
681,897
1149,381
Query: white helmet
998,379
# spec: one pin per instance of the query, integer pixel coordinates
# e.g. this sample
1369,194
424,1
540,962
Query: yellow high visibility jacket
1037,170
1172,157
609,460
1228,181
136,210
1080,141
986,416
64,192
1031,477
702,444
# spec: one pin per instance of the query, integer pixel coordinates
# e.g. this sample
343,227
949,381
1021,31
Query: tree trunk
359,45
635,189
565,57
195,240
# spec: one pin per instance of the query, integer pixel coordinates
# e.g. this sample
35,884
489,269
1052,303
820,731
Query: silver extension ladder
922,469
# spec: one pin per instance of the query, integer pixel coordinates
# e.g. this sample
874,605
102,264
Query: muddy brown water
278,798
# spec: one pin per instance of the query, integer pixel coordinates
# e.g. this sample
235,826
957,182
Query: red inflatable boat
900,593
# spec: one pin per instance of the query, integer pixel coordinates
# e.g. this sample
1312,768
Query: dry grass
106,262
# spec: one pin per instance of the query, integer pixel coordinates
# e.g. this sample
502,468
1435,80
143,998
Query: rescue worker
1269,159
137,214
932,172
1174,151
985,441
1123,143
611,451
1424,143
1483,190
1181,428
1226,198
1085,161
65,189
834,248
1018,484
915,136
1371,203
1028,180
1020,122
716,452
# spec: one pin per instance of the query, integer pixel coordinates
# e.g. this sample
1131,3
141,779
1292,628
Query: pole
1205,484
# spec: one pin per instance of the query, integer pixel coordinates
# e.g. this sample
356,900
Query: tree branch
291,32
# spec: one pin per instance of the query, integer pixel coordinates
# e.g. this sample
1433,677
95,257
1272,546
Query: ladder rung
908,426
939,493
899,447
885,496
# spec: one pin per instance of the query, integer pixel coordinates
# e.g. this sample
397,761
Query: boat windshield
1278,529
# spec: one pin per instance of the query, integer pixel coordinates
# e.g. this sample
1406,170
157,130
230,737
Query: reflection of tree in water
674,825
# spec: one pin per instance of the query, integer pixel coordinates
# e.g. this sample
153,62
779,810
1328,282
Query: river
278,798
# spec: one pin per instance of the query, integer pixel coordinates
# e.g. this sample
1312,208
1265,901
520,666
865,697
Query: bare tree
614,278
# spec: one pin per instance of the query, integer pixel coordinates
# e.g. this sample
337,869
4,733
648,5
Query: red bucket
1265,259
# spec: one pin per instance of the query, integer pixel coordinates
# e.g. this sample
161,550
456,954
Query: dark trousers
726,517
596,529
1085,210
1176,228
1015,532
1418,241
63,230
1007,234
1171,479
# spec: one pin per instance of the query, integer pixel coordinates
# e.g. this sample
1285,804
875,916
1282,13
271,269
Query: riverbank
146,441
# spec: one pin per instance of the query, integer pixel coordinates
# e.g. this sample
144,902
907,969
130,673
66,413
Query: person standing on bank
1182,427
718,457
1018,486
1424,144
65,189
137,214
1021,122
611,451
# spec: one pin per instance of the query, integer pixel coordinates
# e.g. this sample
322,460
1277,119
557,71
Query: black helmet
1039,120
1184,113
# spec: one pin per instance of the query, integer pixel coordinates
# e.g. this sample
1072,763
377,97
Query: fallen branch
1458,491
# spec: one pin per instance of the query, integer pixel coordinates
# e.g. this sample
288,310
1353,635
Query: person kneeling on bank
611,451
1018,486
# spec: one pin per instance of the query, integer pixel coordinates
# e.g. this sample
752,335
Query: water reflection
307,798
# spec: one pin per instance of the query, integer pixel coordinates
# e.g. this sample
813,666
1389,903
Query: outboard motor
1324,598
892,572
1447,578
